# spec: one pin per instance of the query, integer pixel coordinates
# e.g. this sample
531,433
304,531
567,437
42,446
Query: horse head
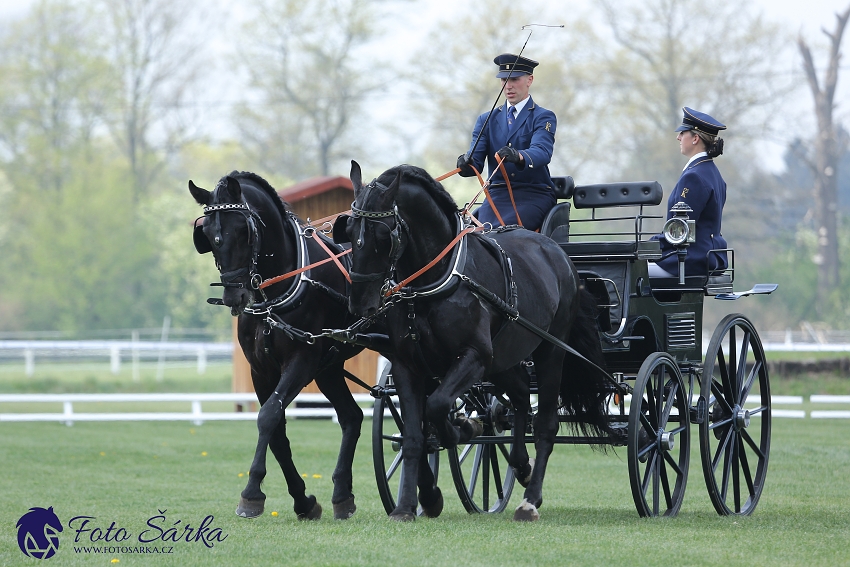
378,236
231,231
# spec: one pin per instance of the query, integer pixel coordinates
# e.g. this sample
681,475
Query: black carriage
661,382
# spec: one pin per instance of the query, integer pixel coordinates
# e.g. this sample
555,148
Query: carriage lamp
680,231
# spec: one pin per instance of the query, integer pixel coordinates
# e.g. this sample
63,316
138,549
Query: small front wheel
659,437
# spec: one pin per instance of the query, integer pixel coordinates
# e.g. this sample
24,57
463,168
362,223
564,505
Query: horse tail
584,388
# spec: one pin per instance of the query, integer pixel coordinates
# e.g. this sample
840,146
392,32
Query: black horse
447,335
253,234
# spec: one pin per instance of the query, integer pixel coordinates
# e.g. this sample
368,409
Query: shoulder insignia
685,192
548,126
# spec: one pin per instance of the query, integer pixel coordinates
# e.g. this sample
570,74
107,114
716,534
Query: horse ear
202,196
356,177
234,189
391,191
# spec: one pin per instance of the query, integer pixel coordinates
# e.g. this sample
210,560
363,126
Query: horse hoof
314,514
403,517
469,428
248,508
524,480
435,508
526,512
344,509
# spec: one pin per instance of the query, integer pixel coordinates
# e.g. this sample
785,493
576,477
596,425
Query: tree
53,82
825,163
156,60
301,58
717,57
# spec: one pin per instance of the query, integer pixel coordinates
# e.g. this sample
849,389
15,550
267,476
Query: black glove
509,155
463,163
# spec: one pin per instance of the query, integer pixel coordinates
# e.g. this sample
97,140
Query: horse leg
515,384
305,507
430,495
548,364
271,434
466,370
411,400
350,415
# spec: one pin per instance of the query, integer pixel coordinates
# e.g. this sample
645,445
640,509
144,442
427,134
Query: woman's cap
514,66
699,121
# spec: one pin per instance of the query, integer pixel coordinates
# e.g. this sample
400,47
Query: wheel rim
481,468
658,437
735,437
388,446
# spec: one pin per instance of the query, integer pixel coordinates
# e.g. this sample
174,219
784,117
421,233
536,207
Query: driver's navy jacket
702,187
533,135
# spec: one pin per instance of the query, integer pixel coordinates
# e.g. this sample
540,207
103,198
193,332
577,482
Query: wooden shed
315,199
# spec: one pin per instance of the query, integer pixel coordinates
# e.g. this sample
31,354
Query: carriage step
697,413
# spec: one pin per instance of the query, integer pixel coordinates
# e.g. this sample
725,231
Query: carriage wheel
735,438
387,445
482,474
658,437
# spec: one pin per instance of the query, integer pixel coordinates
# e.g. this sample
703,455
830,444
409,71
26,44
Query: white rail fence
197,416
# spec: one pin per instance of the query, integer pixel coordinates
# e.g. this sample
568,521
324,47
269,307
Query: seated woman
702,187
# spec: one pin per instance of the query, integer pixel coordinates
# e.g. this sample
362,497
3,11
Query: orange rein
485,188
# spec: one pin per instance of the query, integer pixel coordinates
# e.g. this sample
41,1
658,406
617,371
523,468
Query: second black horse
448,334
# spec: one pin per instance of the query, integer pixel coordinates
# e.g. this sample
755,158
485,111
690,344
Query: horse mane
434,188
282,206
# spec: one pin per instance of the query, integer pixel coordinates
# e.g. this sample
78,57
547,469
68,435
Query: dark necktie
511,116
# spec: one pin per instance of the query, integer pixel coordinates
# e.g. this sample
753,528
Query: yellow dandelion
192,431
116,560
102,454
274,514
317,476
203,453
241,475
304,475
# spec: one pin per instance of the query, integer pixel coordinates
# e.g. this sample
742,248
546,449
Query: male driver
523,134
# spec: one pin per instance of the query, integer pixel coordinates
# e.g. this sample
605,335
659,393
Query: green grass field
126,472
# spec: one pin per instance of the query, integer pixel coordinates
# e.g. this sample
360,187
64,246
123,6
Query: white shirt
519,106
690,161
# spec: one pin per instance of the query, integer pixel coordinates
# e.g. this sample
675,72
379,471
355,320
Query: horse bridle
399,236
203,245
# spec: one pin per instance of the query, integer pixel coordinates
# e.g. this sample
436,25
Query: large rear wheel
735,436
658,437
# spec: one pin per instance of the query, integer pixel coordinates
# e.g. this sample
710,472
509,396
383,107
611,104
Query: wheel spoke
464,453
646,450
745,467
741,371
644,420
650,407
736,476
656,477
396,415
671,401
485,486
497,474
504,450
394,465
476,467
678,430
727,466
720,423
720,396
750,381
724,443
665,484
650,467
756,449
672,462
